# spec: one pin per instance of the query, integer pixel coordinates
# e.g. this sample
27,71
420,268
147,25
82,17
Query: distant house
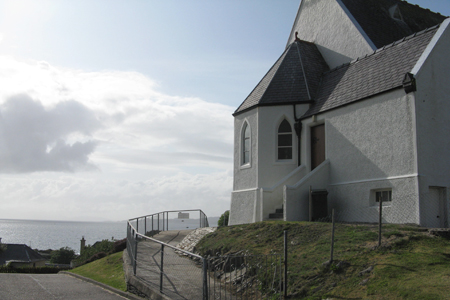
20,255
358,108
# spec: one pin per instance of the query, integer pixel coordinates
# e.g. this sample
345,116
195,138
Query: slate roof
375,18
379,72
294,78
19,252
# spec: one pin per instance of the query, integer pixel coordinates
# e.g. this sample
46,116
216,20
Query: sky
111,110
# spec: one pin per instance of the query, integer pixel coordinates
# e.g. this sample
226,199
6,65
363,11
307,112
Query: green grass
107,270
409,265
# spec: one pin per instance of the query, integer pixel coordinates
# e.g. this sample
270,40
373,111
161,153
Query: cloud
32,138
151,151
70,120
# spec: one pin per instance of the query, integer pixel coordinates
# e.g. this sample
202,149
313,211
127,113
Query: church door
317,145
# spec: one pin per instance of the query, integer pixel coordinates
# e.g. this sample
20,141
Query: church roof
379,72
386,21
294,78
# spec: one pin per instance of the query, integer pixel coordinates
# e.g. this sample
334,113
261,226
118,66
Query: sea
43,235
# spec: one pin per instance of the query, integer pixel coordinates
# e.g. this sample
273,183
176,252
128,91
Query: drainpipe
298,130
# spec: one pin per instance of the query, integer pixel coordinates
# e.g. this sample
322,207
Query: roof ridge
427,9
385,47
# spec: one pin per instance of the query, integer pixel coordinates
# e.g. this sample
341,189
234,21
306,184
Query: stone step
276,216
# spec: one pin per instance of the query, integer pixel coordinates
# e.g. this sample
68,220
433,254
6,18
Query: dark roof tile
376,73
383,26
294,78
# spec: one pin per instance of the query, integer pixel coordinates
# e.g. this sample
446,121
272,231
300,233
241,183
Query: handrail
162,243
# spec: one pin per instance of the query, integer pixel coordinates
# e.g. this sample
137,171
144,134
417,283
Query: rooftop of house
386,21
294,78
379,72
18,252
301,75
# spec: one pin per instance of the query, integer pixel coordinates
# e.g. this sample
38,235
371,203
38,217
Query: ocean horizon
50,234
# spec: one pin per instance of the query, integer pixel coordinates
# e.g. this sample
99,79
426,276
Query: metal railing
169,220
181,274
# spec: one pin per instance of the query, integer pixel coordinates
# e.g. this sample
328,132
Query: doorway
317,145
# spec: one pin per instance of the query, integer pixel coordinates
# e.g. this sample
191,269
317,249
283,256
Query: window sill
246,166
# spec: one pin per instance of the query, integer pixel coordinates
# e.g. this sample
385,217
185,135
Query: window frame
278,146
243,149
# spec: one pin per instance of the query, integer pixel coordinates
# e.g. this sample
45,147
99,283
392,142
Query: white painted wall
335,33
296,197
264,171
432,103
370,145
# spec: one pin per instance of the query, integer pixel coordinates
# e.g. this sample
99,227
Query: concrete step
276,216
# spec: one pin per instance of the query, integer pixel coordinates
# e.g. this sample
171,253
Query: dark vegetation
410,264
31,270
100,250
223,220
62,256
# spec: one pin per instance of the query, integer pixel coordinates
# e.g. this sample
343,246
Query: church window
246,144
284,140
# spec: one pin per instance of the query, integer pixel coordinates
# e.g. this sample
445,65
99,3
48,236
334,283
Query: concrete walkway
182,277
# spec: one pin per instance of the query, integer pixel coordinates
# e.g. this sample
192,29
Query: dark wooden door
317,145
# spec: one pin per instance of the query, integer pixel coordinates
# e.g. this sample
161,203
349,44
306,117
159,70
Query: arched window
245,144
284,140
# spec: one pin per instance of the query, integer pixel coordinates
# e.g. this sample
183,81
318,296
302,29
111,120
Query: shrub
223,220
62,256
119,245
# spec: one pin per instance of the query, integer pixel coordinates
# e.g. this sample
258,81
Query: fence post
380,221
145,225
205,279
135,253
161,269
332,236
285,264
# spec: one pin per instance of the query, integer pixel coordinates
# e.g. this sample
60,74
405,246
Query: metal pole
285,263
162,269
205,279
135,253
137,224
380,220
152,224
158,222
145,225
332,236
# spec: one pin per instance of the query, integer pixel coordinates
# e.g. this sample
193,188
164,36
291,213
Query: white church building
355,111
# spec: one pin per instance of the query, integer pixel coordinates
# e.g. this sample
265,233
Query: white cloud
152,151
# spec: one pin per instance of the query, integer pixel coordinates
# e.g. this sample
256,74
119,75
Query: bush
62,256
223,220
96,256
119,245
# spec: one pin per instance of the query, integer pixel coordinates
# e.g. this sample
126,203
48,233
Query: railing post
205,279
135,253
158,221
137,224
152,225
145,225
161,269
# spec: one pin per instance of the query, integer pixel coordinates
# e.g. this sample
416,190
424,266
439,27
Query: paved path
51,286
182,276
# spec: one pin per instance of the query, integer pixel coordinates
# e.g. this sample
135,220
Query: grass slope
410,264
107,270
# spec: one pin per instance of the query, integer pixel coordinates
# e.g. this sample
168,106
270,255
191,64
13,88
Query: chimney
83,244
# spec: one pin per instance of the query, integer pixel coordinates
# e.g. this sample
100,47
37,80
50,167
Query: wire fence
180,274
169,220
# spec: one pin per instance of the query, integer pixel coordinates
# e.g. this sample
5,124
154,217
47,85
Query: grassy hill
410,264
